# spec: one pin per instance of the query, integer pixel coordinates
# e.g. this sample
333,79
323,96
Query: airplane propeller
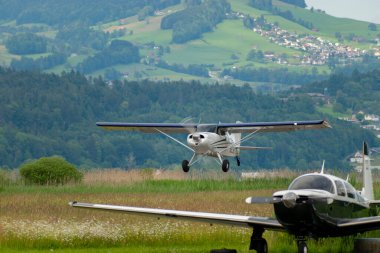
289,199
187,123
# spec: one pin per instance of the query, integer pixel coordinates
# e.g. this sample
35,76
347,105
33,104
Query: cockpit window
315,182
351,192
341,191
206,128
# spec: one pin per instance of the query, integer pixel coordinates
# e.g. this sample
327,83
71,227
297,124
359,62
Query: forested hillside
351,93
47,114
64,12
206,40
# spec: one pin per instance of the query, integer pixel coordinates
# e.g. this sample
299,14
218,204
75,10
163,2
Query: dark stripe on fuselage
218,141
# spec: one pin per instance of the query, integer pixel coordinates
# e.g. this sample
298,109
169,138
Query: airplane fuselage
317,213
212,144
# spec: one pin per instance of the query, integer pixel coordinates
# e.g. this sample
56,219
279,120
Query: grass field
328,110
38,218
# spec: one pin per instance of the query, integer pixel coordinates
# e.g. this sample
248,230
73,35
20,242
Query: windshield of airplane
315,182
206,128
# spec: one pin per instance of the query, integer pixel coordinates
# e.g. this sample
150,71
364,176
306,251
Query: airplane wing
221,127
150,127
211,218
272,126
360,224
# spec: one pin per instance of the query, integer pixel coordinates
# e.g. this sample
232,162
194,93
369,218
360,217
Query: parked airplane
215,140
315,205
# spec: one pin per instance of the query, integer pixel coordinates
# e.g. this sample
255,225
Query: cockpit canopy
207,128
331,184
315,182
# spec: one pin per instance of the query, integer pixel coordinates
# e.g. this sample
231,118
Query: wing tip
326,124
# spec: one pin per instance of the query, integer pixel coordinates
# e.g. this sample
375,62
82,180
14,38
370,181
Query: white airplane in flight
315,205
216,140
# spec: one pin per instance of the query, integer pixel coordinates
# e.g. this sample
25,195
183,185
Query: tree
372,27
26,43
49,171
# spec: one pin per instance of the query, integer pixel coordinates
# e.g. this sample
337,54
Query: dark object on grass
223,250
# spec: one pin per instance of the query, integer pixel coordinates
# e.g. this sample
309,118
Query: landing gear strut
185,166
301,245
258,243
238,161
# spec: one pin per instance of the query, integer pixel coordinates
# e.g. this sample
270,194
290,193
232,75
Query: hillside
277,41
48,114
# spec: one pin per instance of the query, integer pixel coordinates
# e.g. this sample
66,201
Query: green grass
327,24
229,38
157,186
44,212
328,110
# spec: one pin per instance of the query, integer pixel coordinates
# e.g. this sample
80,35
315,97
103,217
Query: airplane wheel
302,247
262,246
225,165
185,166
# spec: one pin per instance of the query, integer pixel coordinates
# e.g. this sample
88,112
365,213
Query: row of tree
267,5
48,114
41,63
196,19
351,93
272,75
118,52
64,12
191,69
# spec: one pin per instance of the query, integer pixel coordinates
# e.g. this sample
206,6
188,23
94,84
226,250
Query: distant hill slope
227,46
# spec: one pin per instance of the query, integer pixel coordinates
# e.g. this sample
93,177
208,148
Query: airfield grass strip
38,218
161,186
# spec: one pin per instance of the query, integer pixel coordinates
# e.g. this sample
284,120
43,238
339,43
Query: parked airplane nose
289,199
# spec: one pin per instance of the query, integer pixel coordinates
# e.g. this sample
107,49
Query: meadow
39,219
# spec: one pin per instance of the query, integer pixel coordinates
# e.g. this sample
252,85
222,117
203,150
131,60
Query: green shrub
49,171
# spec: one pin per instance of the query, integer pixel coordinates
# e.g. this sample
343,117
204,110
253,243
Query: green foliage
46,114
41,63
262,4
271,75
119,52
299,3
49,171
356,92
192,22
372,27
81,36
26,43
64,12
5,179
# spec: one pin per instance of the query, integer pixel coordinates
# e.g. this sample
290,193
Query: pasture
39,219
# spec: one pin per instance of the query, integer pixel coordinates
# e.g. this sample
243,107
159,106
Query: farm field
39,219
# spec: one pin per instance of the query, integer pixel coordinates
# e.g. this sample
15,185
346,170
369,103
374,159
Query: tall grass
38,217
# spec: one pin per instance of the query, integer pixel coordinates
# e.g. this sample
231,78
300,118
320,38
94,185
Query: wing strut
174,139
244,139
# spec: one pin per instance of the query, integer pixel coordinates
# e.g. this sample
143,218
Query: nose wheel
225,165
302,247
185,166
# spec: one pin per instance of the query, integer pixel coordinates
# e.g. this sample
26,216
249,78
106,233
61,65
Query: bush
49,171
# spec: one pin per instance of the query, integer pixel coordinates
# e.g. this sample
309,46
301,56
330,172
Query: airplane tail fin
367,191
